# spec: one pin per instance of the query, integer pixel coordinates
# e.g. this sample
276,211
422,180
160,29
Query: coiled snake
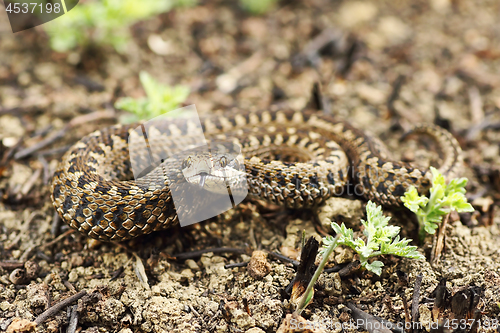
297,159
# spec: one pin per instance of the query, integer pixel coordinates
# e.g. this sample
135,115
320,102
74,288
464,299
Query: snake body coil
297,159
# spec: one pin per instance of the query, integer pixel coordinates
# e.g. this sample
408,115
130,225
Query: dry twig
56,308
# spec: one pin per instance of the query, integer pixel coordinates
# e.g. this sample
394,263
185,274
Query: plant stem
306,297
421,229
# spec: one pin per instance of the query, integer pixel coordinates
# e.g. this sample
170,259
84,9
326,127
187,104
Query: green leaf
413,201
104,22
463,207
437,177
160,99
431,226
258,7
456,185
382,238
151,86
130,104
437,193
336,227
365,251
375,267
442,200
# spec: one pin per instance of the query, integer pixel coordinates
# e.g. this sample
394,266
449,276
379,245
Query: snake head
214,169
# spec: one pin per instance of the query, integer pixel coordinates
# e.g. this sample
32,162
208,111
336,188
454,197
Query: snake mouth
203,178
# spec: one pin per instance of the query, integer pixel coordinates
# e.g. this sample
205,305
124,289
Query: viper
108,189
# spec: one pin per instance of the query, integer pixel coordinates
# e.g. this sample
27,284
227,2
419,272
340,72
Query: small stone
206,261
37,296
72,276
453,86
45,71
160,46
9,142
440,6
394,30
21,325
192,264
355,12
344,317
238,316
425,315
32,269
371,94
5,306
258,267
24,78
16,254
65,265
332,284
125,330
343,255
11,126
340,209
77,260
290,252
73,58
227,83
187,274
18,276
491,152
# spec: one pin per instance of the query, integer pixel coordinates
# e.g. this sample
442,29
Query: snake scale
293,158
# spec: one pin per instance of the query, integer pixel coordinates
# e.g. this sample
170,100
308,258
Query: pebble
355,12
258,267
160,46
394,30
440,6
371,94
192,264
5,306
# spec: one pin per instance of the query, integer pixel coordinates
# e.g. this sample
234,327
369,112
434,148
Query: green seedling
159,99
443,198
105,22
381,238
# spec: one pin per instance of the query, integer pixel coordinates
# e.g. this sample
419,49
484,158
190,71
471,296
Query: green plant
103,22
160,99
443,199
381,238
258,7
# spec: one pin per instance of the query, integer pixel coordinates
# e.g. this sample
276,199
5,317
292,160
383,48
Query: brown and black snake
293,158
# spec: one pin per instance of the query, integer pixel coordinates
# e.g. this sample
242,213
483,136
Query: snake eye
223,161
237,165
186,163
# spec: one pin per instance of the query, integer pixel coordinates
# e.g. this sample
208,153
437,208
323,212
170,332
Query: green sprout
103,22
443,199
381,238
160,99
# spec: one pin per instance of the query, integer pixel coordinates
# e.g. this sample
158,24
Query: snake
297,159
